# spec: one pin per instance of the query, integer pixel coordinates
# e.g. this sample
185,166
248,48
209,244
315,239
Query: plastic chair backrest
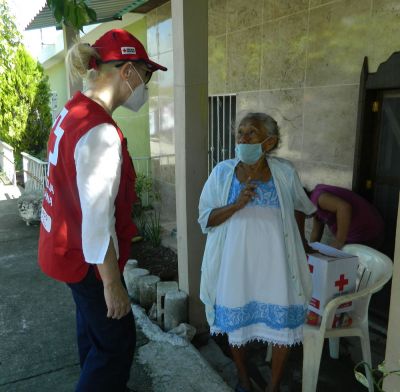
375,269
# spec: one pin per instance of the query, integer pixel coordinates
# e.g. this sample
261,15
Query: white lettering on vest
46,220
59,132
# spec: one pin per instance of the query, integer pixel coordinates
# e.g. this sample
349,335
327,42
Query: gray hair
268,122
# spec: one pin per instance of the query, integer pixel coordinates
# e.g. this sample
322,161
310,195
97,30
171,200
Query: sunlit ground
9,192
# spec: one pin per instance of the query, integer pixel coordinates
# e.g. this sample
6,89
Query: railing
142,165
7,163
221,118
35,169
147,167
34,172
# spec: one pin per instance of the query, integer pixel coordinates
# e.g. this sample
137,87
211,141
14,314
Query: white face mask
138,97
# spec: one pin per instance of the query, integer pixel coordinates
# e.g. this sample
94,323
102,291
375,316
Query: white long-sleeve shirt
98,160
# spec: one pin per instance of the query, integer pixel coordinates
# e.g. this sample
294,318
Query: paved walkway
37,334
37,327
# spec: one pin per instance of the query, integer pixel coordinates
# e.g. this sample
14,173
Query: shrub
25,117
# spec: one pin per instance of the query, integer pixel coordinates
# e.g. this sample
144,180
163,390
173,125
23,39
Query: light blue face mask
249,153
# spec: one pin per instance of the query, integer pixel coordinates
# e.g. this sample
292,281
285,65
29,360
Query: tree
74,13
25,117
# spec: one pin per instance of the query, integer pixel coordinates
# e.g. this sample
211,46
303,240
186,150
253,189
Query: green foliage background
25,116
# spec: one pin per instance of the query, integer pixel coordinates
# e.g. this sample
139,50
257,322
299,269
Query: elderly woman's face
251,132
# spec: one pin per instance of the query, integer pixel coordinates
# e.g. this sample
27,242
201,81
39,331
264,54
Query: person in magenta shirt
350,218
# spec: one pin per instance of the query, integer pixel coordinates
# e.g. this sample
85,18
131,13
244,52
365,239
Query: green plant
153,228
377,375
145,190
148,223
25,117
74,13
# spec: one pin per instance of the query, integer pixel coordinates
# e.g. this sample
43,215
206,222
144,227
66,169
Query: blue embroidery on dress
273,316
266,194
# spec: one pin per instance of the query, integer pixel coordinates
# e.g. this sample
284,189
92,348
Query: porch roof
105,10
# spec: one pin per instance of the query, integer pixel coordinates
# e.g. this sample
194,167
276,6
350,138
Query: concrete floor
38,351
37,335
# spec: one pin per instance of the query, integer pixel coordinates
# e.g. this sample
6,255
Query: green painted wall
58,80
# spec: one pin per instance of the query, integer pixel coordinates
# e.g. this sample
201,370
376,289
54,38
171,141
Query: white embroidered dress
255,299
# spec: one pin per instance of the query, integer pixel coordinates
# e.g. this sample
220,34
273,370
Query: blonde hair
78,58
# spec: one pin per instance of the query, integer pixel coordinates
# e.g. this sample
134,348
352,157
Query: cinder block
148,291
175,309
132,277
162,289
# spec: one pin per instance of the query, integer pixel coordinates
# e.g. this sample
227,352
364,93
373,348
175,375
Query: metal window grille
221,139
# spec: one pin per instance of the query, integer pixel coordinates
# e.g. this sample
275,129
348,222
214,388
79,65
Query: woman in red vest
86,227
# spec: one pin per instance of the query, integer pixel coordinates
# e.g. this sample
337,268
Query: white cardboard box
334,273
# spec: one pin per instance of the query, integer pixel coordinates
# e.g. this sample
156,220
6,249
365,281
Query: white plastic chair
375,270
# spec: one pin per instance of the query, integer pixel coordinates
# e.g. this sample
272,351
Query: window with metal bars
221,119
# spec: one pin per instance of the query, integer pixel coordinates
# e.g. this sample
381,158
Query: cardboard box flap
329,252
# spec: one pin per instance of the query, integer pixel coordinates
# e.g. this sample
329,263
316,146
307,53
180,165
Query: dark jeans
106,346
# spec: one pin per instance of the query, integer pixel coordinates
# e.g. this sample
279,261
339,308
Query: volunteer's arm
343,211
98,162
116,297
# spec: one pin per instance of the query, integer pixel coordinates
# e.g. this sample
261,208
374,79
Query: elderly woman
255,279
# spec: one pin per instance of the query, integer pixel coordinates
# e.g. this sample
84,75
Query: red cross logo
341,282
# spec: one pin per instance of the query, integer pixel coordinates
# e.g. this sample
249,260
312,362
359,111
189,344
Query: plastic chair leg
334,347
312,350
366,353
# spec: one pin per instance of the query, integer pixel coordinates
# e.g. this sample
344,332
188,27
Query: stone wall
300,61
161,108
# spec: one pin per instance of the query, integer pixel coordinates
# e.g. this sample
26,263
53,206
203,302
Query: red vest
60,243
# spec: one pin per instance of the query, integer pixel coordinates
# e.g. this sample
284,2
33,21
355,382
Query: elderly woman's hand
246,195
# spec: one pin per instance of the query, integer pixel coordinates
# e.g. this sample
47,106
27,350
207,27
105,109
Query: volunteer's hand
247,194
117,300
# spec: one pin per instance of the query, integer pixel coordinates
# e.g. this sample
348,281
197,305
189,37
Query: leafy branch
377,375
75,13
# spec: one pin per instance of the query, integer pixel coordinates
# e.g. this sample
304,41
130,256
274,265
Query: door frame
387,77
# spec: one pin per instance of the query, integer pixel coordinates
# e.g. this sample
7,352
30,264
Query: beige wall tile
384,41
317,3
313,173
330,115
217,65
166,78
284,47
338,41
152,33
243,14
277,8
244,55
247,102
167,200
286,107
217,17
164,22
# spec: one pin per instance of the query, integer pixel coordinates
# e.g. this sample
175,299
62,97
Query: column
190,40
71,35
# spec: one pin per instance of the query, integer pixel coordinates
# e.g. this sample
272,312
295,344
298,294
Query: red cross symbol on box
341,282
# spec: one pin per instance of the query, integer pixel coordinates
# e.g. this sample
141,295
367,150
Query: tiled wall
161,108
300,61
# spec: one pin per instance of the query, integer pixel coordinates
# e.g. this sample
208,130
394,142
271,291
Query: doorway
377,160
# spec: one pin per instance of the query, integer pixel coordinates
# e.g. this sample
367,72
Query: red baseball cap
120,45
